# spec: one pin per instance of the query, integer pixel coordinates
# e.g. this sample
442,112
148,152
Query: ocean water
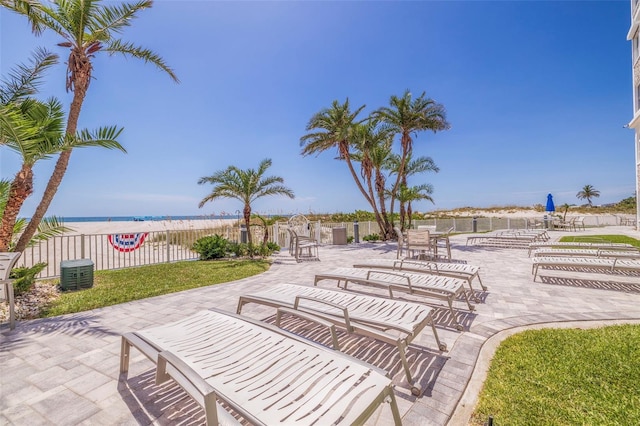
140,218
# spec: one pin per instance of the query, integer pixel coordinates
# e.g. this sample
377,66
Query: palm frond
49,227
129,49
24,79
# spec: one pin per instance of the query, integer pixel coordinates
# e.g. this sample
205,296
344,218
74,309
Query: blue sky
537,93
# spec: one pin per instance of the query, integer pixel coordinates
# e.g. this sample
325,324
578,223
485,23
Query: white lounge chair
266,375
354,313
454,270
509,238
585,263
431,286
604,253
594,245
7,262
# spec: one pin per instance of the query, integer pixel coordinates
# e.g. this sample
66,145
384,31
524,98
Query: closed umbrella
550,206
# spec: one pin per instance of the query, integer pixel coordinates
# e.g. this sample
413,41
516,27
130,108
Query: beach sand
144,226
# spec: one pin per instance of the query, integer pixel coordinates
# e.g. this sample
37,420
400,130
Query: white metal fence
115,251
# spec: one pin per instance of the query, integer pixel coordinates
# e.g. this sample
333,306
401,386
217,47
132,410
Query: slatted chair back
7,262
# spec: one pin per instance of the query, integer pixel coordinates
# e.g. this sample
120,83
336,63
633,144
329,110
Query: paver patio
64,370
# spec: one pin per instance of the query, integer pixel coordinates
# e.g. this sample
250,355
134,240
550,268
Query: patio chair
454,270
402,241
264,374
302,247
419,244
429,286
7,262
358,314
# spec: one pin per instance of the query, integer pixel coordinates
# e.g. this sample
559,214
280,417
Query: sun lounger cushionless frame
266,375
454,270
431,286
601,245
586,263
354,313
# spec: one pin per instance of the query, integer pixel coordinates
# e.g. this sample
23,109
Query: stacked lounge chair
583,245
509,238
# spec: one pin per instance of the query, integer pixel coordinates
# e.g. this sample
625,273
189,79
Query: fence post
454,224
319,232
82,246
168,247
276,234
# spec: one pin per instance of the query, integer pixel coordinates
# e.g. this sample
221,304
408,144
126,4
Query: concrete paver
64,370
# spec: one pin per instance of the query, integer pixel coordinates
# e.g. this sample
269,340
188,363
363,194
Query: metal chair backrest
7,261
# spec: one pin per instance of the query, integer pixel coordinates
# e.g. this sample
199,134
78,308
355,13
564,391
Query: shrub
371,237
237,249
274,247
211,247
349,239
25,277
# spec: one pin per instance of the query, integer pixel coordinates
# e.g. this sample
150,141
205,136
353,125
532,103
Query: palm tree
245,186
406,195
372,144
49,227
87,27
34,130
587,193
412,167
406,116
334,128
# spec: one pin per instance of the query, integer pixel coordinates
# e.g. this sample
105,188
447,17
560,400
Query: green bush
371,237
274,247
349,239
237,249
211,247
25,277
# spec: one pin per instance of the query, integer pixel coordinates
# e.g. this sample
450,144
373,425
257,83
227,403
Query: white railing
116,251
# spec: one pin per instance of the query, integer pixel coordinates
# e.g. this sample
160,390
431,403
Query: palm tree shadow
77,325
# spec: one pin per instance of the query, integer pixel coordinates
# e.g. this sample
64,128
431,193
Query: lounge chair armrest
393,274
430,265
313,318
345,311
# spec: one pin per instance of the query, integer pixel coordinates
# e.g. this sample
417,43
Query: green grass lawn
564,377
602,238
125,285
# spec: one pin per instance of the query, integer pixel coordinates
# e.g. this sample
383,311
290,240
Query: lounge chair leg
442,346
459,326
125,350
484,287
466,297
397,420
402,344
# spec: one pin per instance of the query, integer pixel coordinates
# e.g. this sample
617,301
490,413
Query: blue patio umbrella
550,206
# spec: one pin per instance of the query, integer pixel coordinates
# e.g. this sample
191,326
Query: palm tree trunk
247,221
344,151
406,145
21,188
81,84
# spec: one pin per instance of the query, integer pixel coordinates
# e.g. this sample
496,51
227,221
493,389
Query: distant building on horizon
634,36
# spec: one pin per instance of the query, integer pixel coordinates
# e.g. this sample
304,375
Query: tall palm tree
245,186
34,130
48,228
87,27
406,116
587,193
334,128
372,147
